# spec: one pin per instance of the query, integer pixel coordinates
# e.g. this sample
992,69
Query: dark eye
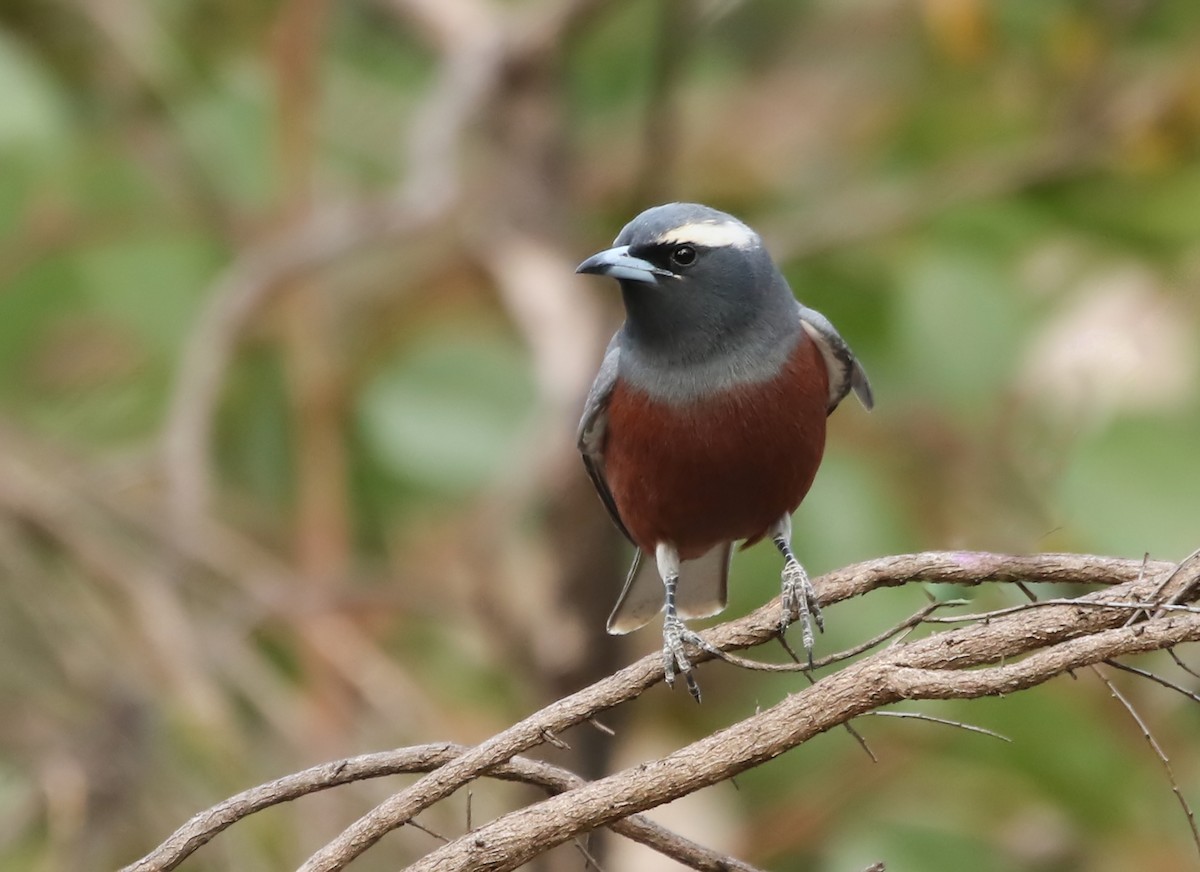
683,255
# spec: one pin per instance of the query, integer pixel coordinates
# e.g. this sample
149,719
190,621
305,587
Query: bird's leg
675,631
797,592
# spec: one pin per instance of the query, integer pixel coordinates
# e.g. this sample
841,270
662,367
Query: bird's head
692,278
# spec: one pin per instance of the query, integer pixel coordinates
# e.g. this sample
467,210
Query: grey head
698,287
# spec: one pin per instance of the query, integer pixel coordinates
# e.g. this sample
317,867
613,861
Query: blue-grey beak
622,266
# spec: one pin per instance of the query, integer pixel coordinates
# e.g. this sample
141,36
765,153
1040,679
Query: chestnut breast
721,468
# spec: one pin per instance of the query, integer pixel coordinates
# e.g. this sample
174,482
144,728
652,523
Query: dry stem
1003,653
204,826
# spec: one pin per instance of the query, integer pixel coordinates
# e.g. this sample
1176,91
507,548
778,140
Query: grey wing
845,372
592,427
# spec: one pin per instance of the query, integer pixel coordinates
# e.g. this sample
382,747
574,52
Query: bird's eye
683,255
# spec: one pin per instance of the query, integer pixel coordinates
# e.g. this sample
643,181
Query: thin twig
602,727
921,716
1133,605
1179,595
914,620
1158,751
1186,590
1179,662
1155,677
419,826
848,726
589,862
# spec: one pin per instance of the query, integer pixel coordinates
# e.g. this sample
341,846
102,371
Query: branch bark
999,654
204,826
1143,607
1060,638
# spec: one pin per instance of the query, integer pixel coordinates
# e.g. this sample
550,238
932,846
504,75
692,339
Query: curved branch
835,699
421,758
1060,638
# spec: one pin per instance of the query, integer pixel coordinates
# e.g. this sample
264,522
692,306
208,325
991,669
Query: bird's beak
621,265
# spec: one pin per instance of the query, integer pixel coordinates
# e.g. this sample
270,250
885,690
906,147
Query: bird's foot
798,595
675,660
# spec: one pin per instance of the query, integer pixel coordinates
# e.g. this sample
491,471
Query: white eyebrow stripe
713,234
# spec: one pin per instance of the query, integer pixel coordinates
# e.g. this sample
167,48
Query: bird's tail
703,589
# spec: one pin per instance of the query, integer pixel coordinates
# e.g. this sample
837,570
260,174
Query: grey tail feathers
703,589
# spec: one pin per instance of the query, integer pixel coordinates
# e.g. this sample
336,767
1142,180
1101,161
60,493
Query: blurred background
292,354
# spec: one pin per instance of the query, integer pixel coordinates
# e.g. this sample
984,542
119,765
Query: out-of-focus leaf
253,434
845,516
912,847
1136,487
29,306
1143,212
150,283
447,413
958,322
34,129
88,338
32,116
228,133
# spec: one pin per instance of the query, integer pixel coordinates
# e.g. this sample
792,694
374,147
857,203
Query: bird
706,422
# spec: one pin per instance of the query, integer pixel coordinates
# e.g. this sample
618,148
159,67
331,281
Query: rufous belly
722,468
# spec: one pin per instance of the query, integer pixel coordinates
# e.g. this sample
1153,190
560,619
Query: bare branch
922,668
421,758
937,667
999,654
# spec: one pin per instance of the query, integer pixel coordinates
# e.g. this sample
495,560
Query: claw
675,660
798,595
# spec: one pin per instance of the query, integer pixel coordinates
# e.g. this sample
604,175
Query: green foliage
1138,459
446,415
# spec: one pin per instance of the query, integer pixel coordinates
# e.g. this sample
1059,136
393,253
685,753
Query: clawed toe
799,596
675,660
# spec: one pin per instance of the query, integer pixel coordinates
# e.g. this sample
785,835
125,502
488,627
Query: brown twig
951,664
946,722
1135,606
1156,678
926,668
916,619
422,758
937,667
